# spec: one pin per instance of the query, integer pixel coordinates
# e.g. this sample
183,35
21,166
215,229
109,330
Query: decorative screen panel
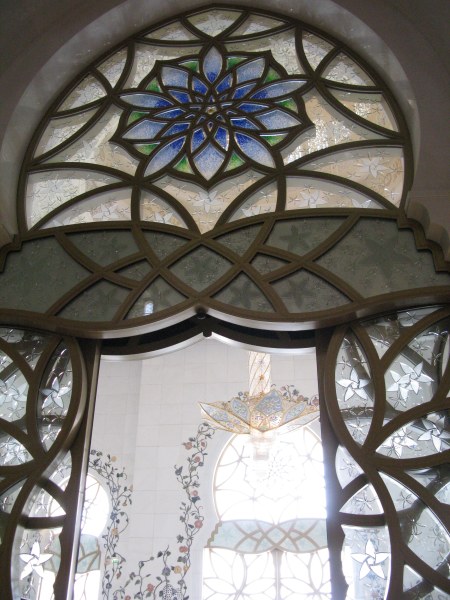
220,122
388,405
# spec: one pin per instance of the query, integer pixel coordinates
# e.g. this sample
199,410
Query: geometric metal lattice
388,406
231,160
42,399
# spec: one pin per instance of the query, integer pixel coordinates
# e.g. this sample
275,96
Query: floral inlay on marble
161,575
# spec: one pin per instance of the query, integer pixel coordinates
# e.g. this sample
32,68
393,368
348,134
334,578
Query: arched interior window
233,173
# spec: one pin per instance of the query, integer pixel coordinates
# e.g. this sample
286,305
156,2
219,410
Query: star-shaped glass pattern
34,561
207,114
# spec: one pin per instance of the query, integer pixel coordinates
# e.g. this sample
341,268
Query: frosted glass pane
200,268
315,48
105,247
389,255
99,303
300,236
107,206
305,292
243,293
60,130
304,192
214,22
112,67
89,90
47,191
157,297
47,272
344,70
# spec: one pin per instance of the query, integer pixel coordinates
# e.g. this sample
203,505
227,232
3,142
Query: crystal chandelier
264,411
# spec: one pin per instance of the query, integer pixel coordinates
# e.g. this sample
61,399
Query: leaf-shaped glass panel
305,292
385,330
305,575
174,31
354,388
256,24
12,452
343,69
208,161
372,107
206,206
212,64
49,190
89,90
55,395
35,566
305,192
364,502
261,202
13,395
300,236
379,169
366,560
315,48
244,293
105,247
107,206
157,297
347,469
156,210
61,130
409,381
200,268
421,437
414,585
254,149
99,302
164,156
214,21
112,67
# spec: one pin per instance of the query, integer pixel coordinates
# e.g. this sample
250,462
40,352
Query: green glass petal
192,65
184,166
105,247
163,244
243,293
289,104
135,115
146,148
240,241
234,162
99,303
232,61
157,297
272,75
154,86
273,140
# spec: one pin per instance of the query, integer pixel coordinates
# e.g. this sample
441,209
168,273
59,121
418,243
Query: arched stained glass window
248,166
256,168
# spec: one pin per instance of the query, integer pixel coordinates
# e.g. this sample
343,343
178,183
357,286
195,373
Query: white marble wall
145,411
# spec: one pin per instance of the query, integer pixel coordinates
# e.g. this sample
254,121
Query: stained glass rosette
207,114
263,413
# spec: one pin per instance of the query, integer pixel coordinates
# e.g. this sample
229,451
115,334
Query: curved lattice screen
228,159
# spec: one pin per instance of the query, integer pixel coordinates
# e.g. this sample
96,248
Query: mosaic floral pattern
166,579
212,113
216,121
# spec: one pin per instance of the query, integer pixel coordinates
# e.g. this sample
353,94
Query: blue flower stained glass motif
207,114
